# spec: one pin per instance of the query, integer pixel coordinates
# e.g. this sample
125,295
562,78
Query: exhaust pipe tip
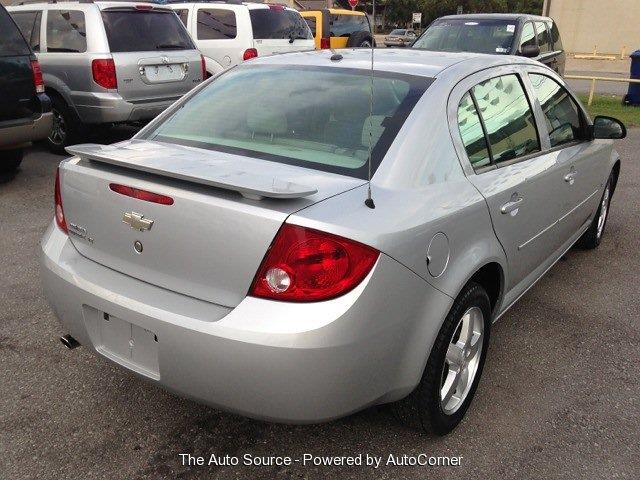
69,342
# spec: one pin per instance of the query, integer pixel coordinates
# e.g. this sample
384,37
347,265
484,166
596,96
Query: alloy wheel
59,129
462,360
604,210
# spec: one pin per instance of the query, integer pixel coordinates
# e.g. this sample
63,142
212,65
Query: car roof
405,61
222,4
494,16
87,4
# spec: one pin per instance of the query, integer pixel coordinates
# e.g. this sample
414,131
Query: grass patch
611,106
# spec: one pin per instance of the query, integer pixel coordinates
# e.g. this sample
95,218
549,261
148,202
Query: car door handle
512,206
570,177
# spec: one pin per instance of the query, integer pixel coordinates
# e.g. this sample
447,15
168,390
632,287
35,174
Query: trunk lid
209,243
153,53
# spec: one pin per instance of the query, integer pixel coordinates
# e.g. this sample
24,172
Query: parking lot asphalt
559,398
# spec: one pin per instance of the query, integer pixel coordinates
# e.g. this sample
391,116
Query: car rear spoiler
193,165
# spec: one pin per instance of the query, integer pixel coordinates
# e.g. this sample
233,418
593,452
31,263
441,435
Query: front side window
544,40
562,116
345,25
306,116
472,133
278,23
528,37
130,30
466,35
29,25
508,118
66,31
216,24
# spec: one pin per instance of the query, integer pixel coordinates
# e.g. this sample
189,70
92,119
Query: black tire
360,39
423,409
66,126
10,160
593,236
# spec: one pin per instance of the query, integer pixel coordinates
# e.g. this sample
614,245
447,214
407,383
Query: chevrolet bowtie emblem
137,221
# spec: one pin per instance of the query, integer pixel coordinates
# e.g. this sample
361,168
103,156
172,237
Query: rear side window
216,24
507,117
528,37
311,21
555,37
29,25
278,23
544,40
472,133
345,25
66,31
562,116
11,41
143,30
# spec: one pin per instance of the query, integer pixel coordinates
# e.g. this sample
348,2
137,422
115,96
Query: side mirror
608,128
530,51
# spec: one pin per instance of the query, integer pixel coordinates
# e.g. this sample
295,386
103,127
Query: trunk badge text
137,221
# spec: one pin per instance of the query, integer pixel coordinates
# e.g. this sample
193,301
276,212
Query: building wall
608,25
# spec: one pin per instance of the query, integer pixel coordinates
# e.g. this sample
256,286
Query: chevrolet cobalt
235,252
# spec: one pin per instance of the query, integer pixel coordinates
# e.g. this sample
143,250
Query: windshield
306,116
460,35
143,30
397,32
278,23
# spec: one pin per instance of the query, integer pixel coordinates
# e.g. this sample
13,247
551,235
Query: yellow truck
338,28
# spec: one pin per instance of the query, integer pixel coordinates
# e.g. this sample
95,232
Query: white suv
227,33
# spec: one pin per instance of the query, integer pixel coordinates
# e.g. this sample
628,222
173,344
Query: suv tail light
306,265
203,67
325,43
104,73
59,212
250,53
37,76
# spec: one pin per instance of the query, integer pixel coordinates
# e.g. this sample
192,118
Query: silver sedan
235,252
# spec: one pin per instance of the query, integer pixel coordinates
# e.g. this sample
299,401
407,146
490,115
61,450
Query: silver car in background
108,62
231,253
400,37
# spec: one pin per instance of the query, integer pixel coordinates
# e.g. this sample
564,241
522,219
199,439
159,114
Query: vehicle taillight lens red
104,73
141,194
203,67
250,53
306,265
325,43
276,7
59,212
37,76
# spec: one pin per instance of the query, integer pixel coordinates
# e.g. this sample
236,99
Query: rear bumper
19,135
394,43
298,363
93,107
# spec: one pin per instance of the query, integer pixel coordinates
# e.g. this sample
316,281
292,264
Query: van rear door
153,54
278,29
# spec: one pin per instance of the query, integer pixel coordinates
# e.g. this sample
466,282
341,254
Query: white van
227,33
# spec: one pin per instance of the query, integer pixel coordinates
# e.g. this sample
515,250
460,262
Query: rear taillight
325,43
141,194
306,265
104,73
59,212
37,76
203,67
250,53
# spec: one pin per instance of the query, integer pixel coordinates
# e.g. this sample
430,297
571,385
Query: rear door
216,30
154,56
277,29
498,132
18,101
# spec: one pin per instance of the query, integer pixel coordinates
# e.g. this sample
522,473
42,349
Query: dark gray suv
503,34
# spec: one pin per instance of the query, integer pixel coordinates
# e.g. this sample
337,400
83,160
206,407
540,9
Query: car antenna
369,201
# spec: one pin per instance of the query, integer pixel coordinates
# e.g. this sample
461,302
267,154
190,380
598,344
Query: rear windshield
307,116
138,31
345,25
278,23
11,40
460,35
